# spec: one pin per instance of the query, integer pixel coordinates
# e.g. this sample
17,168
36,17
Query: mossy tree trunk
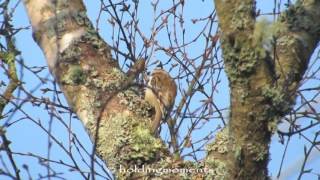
263,81
262,87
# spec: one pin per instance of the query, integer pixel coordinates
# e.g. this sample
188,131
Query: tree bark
117,118
263,81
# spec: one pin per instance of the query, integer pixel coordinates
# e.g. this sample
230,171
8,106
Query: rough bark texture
116,117
263,83
118,120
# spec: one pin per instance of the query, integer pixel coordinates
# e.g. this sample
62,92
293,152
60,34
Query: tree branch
259,98
295,43
103,97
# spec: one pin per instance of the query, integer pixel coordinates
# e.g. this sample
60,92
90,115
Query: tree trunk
263,82
117,118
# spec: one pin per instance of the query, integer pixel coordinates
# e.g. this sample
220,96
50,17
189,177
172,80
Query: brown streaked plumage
160,93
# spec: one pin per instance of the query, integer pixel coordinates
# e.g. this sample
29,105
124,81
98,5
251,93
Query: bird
160,93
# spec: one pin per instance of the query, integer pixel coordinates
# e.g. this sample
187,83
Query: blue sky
26,136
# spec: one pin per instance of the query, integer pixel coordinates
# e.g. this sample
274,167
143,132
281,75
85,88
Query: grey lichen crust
135,103
259,151
111,80
277,106
239,64
131,143
241,13
221,142
298,18
218,169
219,147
